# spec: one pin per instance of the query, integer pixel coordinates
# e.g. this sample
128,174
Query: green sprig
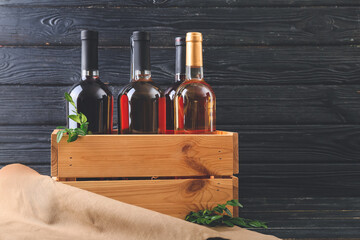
221,216
80,118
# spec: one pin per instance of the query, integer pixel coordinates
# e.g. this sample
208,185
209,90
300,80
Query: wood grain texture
259,144
179,3
235,194
299,180
222,65
273,105
238,26
236,152
54,155
145,155
278,204
306,217
173,197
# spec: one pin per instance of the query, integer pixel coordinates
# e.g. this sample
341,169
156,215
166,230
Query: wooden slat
222,65
180,3
305,204
146,155
270,144
173,197
306,217
285,181
299,180
275,160
238,26
291,144
259,144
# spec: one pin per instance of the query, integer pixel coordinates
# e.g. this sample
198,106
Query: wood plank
146,155
299,180
222,65
236,104
26,153
304,204
321,233
276,160
305,181
269,144
296,144
306,217
179,3
243,26
173,197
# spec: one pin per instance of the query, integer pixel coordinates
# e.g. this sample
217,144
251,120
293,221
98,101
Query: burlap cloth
33,206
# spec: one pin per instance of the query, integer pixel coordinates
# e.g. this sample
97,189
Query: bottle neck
180,55
141,75
93,74
89,59
140,60
194,60
194,73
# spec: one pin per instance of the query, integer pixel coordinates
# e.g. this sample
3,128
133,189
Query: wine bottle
179,78
141,103
195,102
91,96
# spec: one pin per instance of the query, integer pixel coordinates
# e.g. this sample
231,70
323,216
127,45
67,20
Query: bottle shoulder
195,87
143,88
90,87
172,88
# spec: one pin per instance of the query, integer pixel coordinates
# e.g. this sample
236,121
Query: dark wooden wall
286,74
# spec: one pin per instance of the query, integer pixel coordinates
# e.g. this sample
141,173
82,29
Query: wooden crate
182,173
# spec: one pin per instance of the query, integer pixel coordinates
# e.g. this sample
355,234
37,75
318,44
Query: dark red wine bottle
141,103
91,96
180,53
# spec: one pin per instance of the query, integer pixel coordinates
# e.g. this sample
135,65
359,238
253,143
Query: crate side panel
235,194
146,155
175,197
236,153
54,155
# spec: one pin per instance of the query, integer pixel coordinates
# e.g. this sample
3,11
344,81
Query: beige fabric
33,206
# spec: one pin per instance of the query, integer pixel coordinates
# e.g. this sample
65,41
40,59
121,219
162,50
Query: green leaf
60,127
59,135
214,217
80,132
70,100
82,117
75,118
228,223
72,137
234,203
84,127
239,222
257,224
228,212
218,209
